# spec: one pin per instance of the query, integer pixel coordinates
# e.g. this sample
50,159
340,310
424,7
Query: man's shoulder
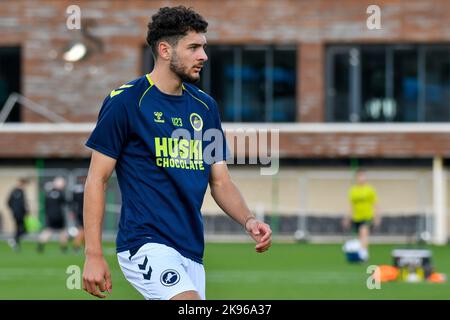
199,94
356,189
129,91
14,192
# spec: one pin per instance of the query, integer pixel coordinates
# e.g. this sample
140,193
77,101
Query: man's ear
164,50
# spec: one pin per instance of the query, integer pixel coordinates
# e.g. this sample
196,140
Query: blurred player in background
18,205
163,179
77,211
55,202
363,200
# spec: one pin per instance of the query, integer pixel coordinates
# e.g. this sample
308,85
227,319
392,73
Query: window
340,89
249,83
252,83
10,79
382,83
406,84
436,95
373,86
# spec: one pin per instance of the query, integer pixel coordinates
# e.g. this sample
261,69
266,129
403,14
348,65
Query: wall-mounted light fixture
83,45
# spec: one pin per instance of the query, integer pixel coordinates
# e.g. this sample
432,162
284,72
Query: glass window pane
284,86
340,91
253,85
10,79
235,77
406,85
411,100
221,64
147,63
374,106
437,85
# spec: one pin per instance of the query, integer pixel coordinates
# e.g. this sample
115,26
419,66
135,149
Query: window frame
355,88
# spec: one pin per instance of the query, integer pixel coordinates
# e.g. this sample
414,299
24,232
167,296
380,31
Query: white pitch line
298,277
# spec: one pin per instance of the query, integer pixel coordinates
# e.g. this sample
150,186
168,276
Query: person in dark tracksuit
17,203
55,202
77,209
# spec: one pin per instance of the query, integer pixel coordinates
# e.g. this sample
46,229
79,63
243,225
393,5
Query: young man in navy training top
164,138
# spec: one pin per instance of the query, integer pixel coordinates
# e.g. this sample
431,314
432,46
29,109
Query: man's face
189,56
361,178
59,183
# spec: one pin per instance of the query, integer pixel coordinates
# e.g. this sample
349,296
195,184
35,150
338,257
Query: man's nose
203,56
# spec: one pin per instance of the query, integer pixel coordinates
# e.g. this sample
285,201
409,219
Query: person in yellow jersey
363,199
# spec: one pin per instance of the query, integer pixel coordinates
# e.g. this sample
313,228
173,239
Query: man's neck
167,82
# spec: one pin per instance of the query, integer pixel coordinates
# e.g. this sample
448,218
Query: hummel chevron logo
158,117
144,264
116,92
148,274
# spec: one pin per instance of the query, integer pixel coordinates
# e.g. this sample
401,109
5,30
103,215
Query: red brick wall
37,145
308,144
39,27
311,86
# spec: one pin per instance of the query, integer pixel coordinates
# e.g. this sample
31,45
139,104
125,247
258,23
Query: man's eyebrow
196,44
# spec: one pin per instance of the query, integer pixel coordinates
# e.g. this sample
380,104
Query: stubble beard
179,69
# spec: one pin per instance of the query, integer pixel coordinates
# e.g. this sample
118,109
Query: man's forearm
230,200
93,212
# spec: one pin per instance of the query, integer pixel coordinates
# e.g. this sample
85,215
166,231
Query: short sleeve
112,129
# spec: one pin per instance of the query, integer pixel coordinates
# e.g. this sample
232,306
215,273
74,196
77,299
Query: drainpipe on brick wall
440,227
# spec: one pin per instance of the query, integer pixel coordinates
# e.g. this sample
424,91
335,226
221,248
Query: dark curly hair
171,24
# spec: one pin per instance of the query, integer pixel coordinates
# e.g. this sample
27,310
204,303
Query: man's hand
261,233
96,276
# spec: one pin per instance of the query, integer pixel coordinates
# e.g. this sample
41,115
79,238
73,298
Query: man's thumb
255,229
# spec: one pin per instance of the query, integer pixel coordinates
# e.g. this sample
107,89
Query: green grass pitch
233,271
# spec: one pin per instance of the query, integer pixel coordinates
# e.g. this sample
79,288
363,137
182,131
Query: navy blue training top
164,146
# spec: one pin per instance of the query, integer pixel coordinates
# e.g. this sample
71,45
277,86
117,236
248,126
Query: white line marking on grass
281,276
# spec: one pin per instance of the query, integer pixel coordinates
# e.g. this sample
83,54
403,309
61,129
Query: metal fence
304,222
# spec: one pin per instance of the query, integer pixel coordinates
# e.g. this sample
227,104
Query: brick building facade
39,29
